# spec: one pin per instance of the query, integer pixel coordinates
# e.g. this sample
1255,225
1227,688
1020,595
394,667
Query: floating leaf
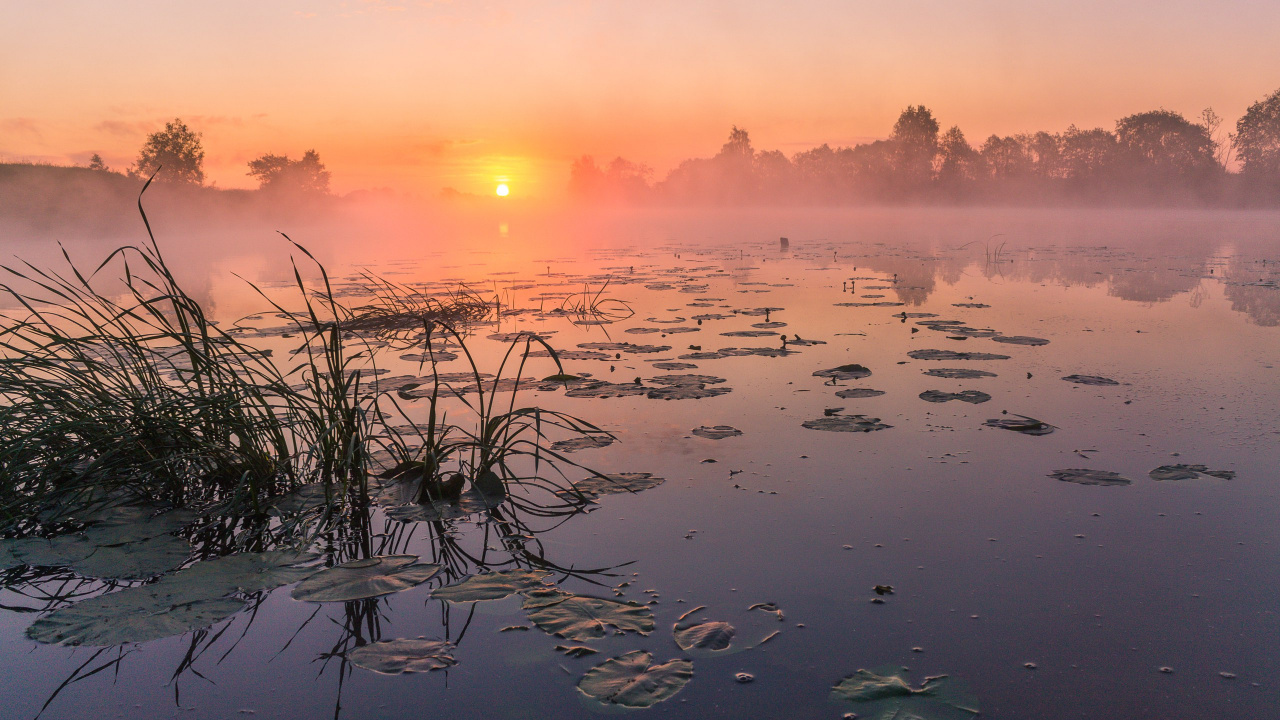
136,560
1020,340
576,651
716,432
1023,424
749,333
958,373
970,396
604,389
131,524
844,372
137,614
468,503
395,657
674,366
367,578
57,551
1188,472
890,697
846,423
711,636
1082,476
586,442
579,617
852,393
677,380
953,355
1090,380
630,681
490,586
686,392
7,558
612,483
308,497
244,572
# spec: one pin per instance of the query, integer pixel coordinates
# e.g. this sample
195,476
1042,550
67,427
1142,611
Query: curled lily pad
491,586
1188,472
57,551
396,657
367,578
579,617
846,423
1020,340
630,681
586,442
136,560
576,651
710,636
851,393
716,432
970,396
1023,424
954,355
891,697
613,483
1082,476
1090,380
844,372
138,614
958,373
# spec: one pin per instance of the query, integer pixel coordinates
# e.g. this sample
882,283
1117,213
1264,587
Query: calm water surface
994,563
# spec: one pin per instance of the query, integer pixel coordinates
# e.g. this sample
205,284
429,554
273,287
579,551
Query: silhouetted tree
1257,143
1087,155
1224,143
620,180
915,139
1162,147
177,149
959,165
277,173
775,175
95,162
1007,158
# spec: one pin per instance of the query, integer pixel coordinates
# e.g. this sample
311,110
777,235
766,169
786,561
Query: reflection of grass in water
593,305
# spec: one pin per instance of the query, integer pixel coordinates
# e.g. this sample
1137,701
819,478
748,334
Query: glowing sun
503,190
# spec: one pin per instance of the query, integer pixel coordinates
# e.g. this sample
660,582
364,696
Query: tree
95,163
1162,146
958,161
176,149
915,137
1087,155
1257,142
277,173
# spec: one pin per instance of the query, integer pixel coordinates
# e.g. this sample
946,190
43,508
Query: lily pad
612,483
851,393
1090,380
137,614
970,396
716,432
1082,476
891,697
576,651
1188,472
954,355
244,572
675,380
586,442
749,333
131,524
846,423
1020,340
603,389
580,617
57,551
490,586
468,503
630,681
844,372
686,392
1023,424
396,657
136,560
958,373
302,499
366,578
7,558
710,636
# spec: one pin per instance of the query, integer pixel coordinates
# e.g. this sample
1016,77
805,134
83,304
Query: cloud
125,128
21,126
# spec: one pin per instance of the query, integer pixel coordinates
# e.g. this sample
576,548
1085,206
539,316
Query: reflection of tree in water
1260,301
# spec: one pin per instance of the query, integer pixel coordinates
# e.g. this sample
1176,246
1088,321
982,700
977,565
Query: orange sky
422,95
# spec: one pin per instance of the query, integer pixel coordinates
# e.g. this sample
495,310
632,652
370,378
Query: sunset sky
419,96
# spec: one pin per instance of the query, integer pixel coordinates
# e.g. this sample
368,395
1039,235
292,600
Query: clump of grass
593,305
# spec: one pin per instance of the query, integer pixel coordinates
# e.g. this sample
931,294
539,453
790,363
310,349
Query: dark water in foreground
994,564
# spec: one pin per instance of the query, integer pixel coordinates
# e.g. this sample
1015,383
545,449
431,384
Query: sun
503,190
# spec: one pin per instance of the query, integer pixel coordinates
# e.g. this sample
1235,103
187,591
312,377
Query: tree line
1158,156
177,153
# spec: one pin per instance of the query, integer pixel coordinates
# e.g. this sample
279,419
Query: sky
418,96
